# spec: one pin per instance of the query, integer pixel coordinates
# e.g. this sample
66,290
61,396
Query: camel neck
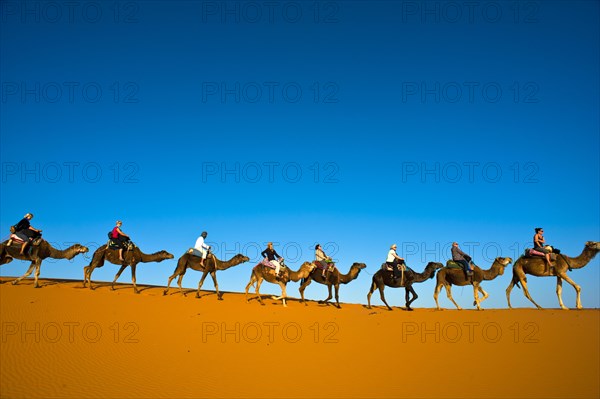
583,259
68,253
420,277
492,272
350,276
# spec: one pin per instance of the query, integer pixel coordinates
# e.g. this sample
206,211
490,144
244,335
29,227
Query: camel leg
436,293
97,261
449,295
373,286
87,276
329,296
574,285
27,273
337,296
169,283
112,287
476,295
133,280
258,283
303,286
36,274
204,274
526,291
414,296
559,293
214,278
508,291
283,293
485,294
250,283
179,281
381,287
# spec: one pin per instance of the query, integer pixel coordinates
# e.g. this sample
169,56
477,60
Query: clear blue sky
354,124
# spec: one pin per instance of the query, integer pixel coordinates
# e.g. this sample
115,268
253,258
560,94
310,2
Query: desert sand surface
63,340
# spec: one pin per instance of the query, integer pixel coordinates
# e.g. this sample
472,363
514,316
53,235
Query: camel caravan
26,243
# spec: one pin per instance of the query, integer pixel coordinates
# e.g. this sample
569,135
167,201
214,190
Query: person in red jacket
119,238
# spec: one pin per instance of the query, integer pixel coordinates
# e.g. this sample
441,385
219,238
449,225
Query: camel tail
516,281
181,265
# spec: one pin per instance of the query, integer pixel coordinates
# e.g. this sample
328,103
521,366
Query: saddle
127,246
15,239
329,266
268,268
194,252
532,253
450,264
265,262
18,241
388,269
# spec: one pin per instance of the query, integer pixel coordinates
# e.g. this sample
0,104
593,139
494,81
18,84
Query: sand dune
66,341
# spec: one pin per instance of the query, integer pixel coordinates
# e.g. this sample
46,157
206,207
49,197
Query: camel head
503,262
308,267
163,255
435,266
78,249
240,258
358,266
593,245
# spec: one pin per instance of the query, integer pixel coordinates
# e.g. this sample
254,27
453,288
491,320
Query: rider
271,255
201,248
324,260
25,232
538,245
462,258
397,263
119,238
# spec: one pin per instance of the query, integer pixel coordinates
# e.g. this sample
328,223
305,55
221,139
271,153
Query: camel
384,277
536,267
131,258
211,265
261,272
332,278
37,254
446,277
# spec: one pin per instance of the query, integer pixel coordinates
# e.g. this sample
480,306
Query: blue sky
354,124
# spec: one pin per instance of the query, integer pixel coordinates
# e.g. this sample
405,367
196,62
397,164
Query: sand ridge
66,341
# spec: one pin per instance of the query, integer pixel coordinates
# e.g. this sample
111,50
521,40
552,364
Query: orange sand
66,341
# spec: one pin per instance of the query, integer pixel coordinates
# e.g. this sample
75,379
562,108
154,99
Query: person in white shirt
201,248
395,261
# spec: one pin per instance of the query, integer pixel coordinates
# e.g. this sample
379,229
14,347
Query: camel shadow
375,307
150,287
209,293
184,292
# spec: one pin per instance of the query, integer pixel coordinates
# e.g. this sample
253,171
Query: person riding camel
119,238
538,245
397,263
201,248
272,257
25,232
461,258
322,259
